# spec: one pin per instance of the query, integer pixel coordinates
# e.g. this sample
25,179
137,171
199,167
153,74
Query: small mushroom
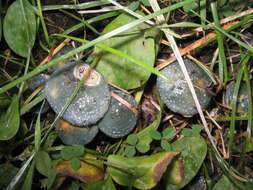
120,119
72,135
91,102
176,95
242,98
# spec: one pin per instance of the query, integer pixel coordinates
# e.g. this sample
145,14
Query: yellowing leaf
142,172
175,173
89,171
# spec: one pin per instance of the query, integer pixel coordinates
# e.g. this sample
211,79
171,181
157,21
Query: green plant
135,144
163,137
194,131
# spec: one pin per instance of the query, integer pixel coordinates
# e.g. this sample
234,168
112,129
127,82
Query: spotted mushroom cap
242,98
92,100
72,135
119,120
176,95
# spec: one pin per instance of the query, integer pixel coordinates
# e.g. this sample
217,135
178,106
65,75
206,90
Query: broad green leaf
20,27
132,139
155,135
142,172
43,163
138,42
9,122
7,173
75,163
193,152
69,152
224,183
106,184
29,178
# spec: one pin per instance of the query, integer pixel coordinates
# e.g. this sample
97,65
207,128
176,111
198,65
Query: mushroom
176,95
72,135
242,98
90,103
120,119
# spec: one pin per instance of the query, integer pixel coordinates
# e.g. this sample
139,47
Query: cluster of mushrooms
95,106
98,106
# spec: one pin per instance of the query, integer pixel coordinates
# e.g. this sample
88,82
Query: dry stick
213,120
192,46
54,51
229,19
177,53
124,102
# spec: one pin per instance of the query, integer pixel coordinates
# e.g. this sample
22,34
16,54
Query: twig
192,46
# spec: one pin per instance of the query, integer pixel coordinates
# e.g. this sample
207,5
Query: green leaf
224,183
130,151
193,152
9,122
165,145
51,177
106,184
69,152
120,71
29,178
142,172
132,139
43,163
143,148
75,163
20,27
37,136
155,135
168,133
7,173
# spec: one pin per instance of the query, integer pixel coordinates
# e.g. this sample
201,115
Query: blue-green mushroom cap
92,100
72,135
242,98
176,95
119,120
